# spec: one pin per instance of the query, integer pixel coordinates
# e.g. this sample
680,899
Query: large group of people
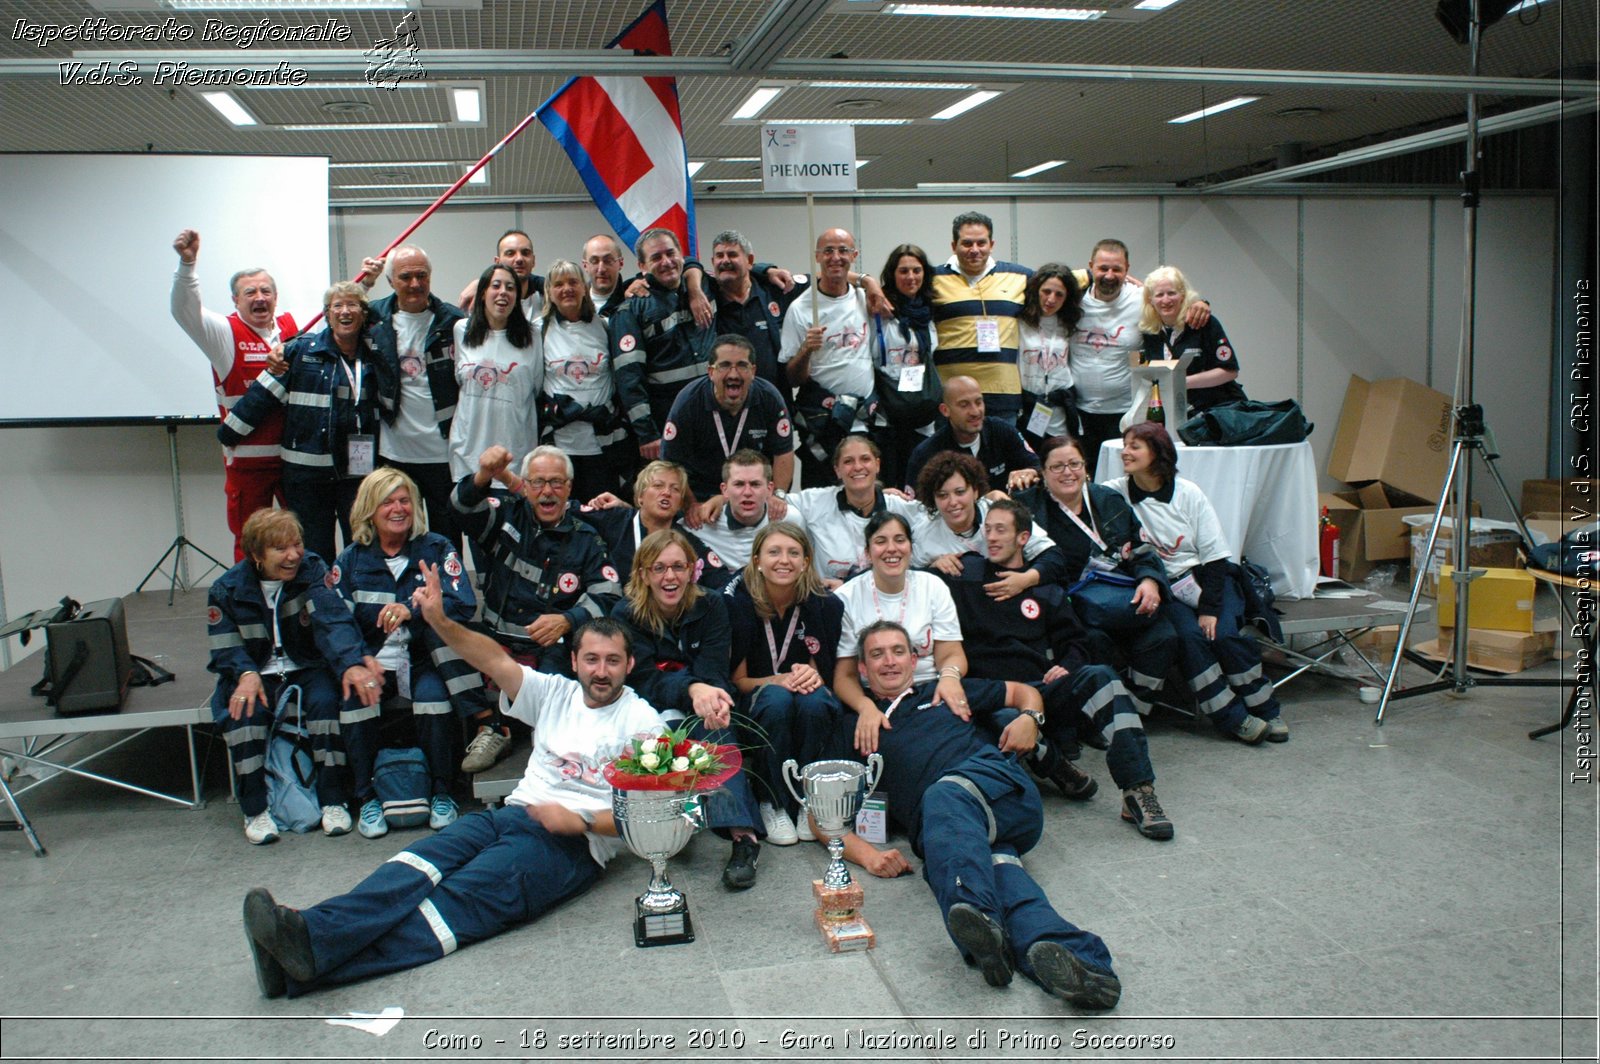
618,459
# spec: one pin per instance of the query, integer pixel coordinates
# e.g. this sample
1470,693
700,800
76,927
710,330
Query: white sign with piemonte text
808,158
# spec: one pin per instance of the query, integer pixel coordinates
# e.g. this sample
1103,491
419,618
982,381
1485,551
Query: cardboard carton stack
1392,448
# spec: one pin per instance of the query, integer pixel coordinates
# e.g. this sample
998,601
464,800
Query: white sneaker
780,829
335,820
261,828
802,827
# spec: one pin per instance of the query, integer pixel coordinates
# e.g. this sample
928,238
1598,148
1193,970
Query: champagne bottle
1155,413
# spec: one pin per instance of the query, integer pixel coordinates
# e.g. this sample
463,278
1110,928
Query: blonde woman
376,576
785,637
1213,376
681,644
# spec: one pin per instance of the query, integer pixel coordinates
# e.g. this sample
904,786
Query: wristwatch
1038,718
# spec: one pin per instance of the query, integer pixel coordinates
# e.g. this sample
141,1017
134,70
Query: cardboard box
1372,529
1501,599
1396,432
1551,526
1492,544
1565,497
1377,642
1504,652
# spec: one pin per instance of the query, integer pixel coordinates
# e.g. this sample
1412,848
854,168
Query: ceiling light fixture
965,104
229,107
1041,168
837,122
1216,108
453,163
1153,5
695,166
479,178
757,101
326,127
891,85
468,104
1069,14
285,5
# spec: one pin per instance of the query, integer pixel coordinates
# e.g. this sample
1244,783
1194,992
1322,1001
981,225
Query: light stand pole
180,542
1472,436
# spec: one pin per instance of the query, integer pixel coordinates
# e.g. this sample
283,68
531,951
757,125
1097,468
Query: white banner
808,158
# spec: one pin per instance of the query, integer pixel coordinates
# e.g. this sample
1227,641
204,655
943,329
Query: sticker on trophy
362,451
988,336
1039,420
911,378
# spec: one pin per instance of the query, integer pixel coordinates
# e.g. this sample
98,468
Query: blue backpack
291,773
401,780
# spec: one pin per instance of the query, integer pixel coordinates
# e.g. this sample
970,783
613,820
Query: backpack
401,780
291,773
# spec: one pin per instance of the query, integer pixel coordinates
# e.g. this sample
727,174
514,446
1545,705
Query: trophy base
846,936
839,918
661,929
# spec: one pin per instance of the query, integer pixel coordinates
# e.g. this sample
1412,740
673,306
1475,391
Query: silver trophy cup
656,825
832,793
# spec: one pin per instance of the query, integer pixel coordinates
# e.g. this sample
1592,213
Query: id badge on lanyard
1039,420
361,449
988,336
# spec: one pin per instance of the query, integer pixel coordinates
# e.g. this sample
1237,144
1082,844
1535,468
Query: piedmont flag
625,137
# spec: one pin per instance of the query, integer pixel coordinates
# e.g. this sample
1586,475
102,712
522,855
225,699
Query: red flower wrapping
729,755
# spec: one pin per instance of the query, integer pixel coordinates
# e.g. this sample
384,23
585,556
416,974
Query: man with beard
730,409
417,382
656,344
1036,638
971,812
547,572
1107,342
491,870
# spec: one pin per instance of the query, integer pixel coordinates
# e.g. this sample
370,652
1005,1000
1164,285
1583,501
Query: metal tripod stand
1472,436
180,542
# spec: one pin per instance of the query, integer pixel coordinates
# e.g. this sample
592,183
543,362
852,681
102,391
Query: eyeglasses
830,251
541,483
676,569
351,305
1058,468
724,367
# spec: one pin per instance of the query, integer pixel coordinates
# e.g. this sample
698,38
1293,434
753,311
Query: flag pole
811,227
451,191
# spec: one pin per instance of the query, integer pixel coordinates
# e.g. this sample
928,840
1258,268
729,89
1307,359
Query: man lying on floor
971,812
491,870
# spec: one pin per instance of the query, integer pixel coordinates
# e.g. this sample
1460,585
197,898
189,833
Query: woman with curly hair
1050,311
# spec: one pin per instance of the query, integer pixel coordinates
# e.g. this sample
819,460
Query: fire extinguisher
1328,542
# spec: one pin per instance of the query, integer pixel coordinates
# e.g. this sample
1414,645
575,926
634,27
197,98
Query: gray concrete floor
1423,890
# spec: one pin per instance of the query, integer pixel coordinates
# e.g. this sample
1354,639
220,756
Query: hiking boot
1064,974
1142,809
740,873
1277,730
1071,780
281,931
373,825
486,748
780,829
1249,731
261,828
442,812
982,940
335,820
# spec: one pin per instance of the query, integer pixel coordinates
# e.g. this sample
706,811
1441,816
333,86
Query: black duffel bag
1249,421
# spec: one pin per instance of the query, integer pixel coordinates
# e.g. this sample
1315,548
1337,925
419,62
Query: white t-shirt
844,363
499,401
572,742
414,436
733,542
839,537
932,538
1185,531
925,609
1106,338
1043,363
577,364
